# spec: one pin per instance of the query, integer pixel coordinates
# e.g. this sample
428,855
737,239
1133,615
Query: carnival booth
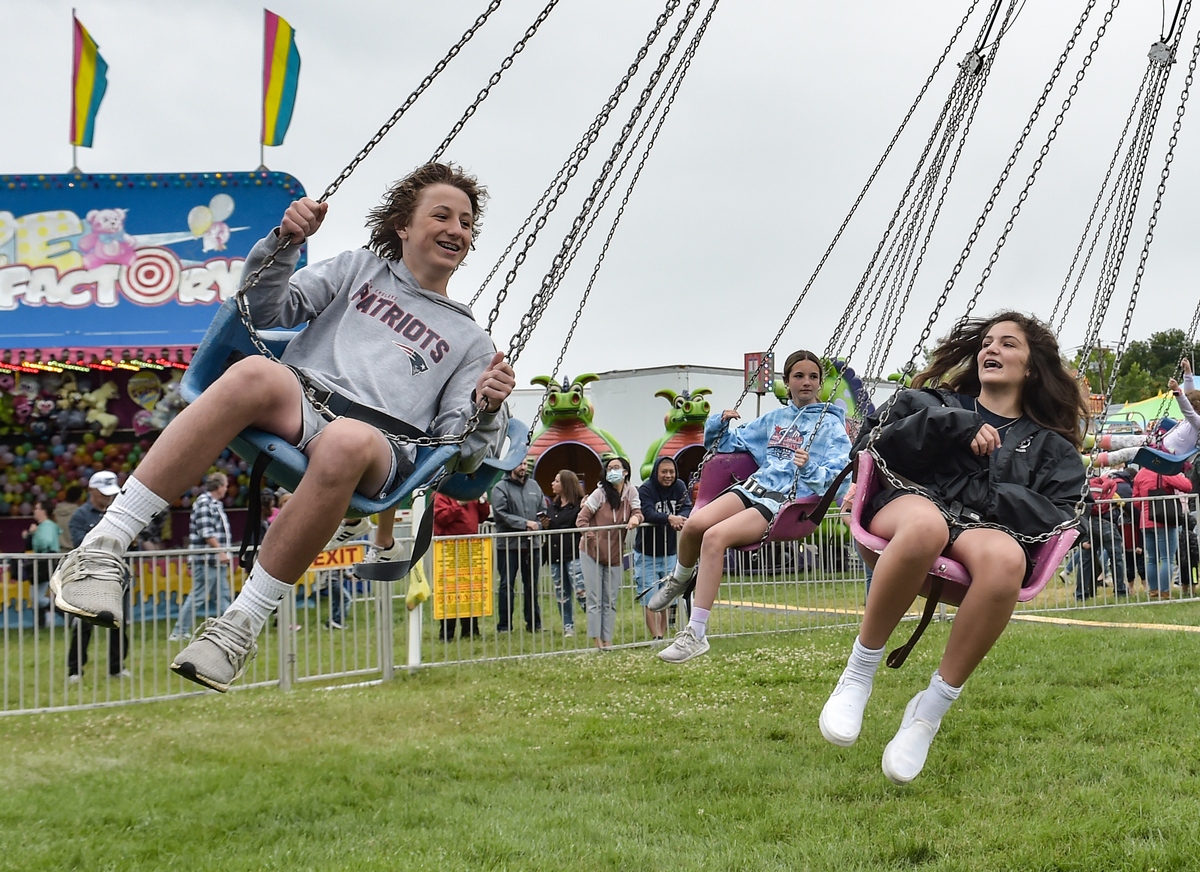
108,283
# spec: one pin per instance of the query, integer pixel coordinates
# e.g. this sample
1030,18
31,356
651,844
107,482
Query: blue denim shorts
648,572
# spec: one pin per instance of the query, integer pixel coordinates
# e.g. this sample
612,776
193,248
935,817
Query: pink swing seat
1046,557
724,470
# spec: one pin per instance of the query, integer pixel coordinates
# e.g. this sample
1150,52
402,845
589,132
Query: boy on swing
385,347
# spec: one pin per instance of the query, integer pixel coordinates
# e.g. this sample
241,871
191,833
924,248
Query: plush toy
96,403
107,241
169,404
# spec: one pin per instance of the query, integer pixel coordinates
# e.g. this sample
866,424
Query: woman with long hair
800,449
565,570
984,448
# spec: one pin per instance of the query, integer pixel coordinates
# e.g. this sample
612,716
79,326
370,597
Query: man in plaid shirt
210,578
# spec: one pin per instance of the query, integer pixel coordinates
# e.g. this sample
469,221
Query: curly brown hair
396,211
1051,397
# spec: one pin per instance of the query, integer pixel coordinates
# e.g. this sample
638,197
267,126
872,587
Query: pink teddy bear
107,242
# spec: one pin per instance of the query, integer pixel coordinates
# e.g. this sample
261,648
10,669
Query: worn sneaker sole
835,739
104,618
187,669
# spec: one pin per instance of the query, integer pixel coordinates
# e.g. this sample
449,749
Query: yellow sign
462,571
340,558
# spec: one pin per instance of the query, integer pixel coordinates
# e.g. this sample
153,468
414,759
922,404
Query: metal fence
341,630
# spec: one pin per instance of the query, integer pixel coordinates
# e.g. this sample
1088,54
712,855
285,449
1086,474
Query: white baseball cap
105,482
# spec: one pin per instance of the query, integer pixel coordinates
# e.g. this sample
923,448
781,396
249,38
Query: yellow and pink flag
89,80
281,72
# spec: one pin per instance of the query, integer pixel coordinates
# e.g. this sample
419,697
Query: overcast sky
787,107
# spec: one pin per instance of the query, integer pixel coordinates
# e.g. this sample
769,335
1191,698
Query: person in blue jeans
210,571
665,506
1161,541
565,569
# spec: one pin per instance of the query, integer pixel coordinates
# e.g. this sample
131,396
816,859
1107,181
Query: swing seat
1046,557
1162,462
724,470
227,340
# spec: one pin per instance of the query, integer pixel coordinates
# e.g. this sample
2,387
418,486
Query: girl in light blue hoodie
800,449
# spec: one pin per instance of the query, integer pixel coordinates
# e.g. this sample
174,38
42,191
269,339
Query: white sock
699,622
936,700
863,664
260,596
129,513
683,573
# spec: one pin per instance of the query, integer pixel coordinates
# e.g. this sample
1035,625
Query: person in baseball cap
105,482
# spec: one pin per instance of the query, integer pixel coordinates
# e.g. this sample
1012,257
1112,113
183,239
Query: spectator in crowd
614,503
102,487
42,537
516,503
453,517
1161,517
1101,545
210,571
565,569
281,498
72,499
665,506
1131,533
151,538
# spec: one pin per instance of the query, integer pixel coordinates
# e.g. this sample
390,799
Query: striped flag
89,80
281,72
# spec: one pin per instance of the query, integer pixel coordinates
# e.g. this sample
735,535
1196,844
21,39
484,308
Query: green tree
1147,365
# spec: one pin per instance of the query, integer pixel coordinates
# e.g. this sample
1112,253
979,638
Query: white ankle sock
699,622
260,596
936,700
863,663
683,573
129,513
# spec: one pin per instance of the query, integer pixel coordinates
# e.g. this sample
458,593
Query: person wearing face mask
516,503
800,449
608,512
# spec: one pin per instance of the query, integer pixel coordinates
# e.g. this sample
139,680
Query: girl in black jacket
993,452
565,569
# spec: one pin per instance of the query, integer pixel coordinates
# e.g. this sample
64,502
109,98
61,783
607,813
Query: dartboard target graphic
152,278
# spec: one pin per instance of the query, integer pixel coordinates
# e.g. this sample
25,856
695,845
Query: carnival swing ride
884,292
232,333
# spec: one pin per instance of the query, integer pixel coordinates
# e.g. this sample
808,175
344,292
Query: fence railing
340,630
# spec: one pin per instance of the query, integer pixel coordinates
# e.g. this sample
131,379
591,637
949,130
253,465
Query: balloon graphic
199,220
220,208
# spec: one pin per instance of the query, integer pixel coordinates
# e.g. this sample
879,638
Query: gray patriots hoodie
375,336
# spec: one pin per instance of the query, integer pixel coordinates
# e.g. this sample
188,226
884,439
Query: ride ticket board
462,577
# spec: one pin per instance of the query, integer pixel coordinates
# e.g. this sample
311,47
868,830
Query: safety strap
818,513
333,405
896,659
396,569
252,536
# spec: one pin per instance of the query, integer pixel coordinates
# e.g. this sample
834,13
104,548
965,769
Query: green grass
1071,749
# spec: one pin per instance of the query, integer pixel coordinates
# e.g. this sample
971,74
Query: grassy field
1072,748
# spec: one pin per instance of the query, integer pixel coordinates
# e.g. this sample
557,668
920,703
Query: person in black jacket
665,506
987,453
565,570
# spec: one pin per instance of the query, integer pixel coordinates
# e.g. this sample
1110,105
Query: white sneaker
348,531
124,673
89,583
390,554
669,588
904,756
842,716
685,647
219,653
74,679
178,637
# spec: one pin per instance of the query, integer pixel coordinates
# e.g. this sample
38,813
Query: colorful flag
88,81
281,72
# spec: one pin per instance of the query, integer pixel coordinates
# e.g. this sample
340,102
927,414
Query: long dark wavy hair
1051,397
395,213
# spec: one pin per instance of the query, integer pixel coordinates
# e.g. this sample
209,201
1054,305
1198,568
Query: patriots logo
414,358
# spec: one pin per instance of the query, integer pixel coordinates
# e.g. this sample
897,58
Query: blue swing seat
227,336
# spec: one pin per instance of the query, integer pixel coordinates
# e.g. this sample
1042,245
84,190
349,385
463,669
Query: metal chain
1062,294
252,280
494,80
542,296
991,201
582,150
669,92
